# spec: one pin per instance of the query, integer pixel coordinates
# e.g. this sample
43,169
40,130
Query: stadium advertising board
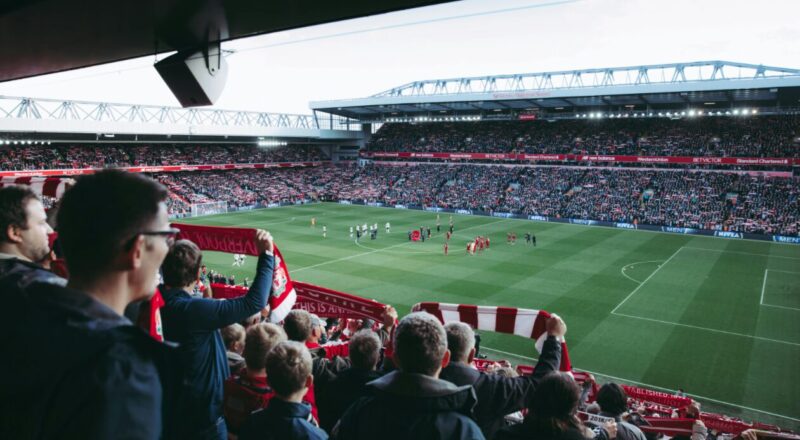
538,218
785,239
727,234
433,209
625,225
463,211
378,204
401,207
678,230
345,202
503,214
742,161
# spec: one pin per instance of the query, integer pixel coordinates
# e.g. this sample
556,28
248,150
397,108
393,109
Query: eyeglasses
169,234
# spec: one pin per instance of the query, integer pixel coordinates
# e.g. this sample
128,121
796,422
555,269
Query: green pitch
719,318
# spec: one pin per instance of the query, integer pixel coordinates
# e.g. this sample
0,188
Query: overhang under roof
46,36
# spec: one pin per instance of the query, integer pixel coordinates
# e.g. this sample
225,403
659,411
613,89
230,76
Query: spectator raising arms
194,323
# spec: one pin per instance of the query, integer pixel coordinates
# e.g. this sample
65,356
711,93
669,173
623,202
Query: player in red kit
445,248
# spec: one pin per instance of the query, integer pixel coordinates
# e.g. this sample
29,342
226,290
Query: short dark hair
298,325
101,214
460,340
182,264
13,201
420,343
288,367
365,349
260,340
612,398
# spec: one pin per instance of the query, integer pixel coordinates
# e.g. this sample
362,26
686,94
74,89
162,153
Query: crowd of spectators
224,372
704,200
762,136
41,157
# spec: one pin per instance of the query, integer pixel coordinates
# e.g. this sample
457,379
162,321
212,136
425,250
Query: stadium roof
47,36
57,120
713,84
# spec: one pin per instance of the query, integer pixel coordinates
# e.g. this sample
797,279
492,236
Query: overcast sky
282,72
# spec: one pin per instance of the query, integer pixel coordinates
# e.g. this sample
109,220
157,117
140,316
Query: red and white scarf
42,186
521,322
242,241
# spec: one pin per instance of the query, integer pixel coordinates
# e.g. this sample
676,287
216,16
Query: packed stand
762,136
703,200
43,157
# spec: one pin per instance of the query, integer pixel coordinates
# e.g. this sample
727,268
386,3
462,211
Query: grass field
717,317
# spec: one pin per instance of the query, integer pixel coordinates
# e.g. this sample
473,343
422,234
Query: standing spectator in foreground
80,369
413,403
23,237
498,396
613,402
553,414
286,417
194,323
350,384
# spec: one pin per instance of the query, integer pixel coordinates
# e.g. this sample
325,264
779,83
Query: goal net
209,208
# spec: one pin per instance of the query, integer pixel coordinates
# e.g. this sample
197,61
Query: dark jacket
325,370
525,431
411,406
18,274
281,420
194,323
76,369
349,386
499,396
625,430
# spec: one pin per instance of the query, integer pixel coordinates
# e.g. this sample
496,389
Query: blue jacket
76,369
281,420
194,323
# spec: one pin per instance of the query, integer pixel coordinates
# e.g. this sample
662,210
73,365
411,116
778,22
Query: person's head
365,349
612,399
23,224
317,329
115,223
233,337
554,403
289,369
298,325
261,338
181,266
460,342
420,345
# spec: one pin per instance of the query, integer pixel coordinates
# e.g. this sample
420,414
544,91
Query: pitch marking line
740,252
622,271
380,250
400,251
651,386
646,280
764,285
760,338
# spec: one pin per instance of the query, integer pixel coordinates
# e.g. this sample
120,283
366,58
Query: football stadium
598,252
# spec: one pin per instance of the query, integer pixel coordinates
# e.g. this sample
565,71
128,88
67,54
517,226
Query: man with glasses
195,324
80,369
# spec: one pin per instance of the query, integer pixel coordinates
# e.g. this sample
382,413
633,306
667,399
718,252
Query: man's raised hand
264,241
556,326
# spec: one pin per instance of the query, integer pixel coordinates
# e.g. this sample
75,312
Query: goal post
209,208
